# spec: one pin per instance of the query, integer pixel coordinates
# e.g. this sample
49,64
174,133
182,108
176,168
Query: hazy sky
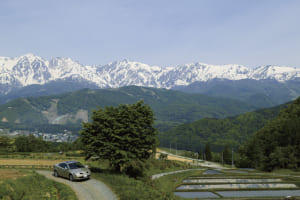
156,32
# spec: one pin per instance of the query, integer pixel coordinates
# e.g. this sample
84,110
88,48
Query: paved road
85,190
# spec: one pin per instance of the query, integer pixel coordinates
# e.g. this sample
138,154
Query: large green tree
5,144
31,144
122,134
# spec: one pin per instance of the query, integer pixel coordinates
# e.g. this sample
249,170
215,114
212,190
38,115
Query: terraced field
226,184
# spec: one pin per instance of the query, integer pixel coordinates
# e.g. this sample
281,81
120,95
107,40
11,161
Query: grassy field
142,188
124,186
17,185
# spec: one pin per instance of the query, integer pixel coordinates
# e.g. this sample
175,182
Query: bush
135,168
74,154
163,156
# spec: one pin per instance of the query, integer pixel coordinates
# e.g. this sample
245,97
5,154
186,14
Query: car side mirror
86,166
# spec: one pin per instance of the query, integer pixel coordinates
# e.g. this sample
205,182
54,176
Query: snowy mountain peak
31,69
30,57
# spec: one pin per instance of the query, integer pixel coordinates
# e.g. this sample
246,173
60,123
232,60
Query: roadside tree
227,155
207,151
124,135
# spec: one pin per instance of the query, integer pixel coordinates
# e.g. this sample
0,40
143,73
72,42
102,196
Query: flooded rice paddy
231,180
196,194
227,186
225,194
266,193
237,186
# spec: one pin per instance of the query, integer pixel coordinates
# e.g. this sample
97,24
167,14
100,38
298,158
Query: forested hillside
170,107
231,131
276,145
260,93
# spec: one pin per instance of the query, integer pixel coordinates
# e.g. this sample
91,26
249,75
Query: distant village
66,136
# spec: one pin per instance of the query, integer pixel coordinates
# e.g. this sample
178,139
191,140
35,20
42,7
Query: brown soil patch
170,157
28,162
10,174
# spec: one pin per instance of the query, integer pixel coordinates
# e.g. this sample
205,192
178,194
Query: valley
149,100
212,115
170,107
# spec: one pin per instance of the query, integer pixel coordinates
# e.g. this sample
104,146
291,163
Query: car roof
71,161
67,162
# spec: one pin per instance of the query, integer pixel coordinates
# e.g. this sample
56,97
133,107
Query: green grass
287,172
38,187
34,186
164,187
141,188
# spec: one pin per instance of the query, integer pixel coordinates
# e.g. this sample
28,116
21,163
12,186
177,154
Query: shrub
163,156
135,168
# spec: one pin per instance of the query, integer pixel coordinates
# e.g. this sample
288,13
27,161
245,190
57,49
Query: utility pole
222,159
232,159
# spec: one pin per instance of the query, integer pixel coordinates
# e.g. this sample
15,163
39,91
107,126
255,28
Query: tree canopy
231,131
227,155
277,145
121,134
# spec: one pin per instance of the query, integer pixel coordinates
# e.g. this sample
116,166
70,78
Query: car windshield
76,165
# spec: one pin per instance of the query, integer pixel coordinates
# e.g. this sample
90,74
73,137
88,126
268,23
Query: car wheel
71,177
55,173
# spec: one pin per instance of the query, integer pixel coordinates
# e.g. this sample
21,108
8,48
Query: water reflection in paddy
258,193
231,180
196,194
266,193
236,186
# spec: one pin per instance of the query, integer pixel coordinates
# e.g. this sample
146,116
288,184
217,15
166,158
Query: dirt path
201,163
85,190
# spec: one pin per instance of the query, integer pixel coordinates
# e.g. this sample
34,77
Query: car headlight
77,174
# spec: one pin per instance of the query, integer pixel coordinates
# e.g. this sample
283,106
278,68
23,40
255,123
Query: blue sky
156,32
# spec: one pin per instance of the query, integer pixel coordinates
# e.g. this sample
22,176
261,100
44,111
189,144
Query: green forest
231,131
277,144
171,108
266,138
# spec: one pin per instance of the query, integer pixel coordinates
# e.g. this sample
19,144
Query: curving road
85,190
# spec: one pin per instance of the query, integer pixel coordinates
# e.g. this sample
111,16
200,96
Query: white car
73,170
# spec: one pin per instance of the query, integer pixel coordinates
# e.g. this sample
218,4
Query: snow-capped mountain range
30,69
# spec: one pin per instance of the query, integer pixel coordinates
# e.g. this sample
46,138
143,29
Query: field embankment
27,163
